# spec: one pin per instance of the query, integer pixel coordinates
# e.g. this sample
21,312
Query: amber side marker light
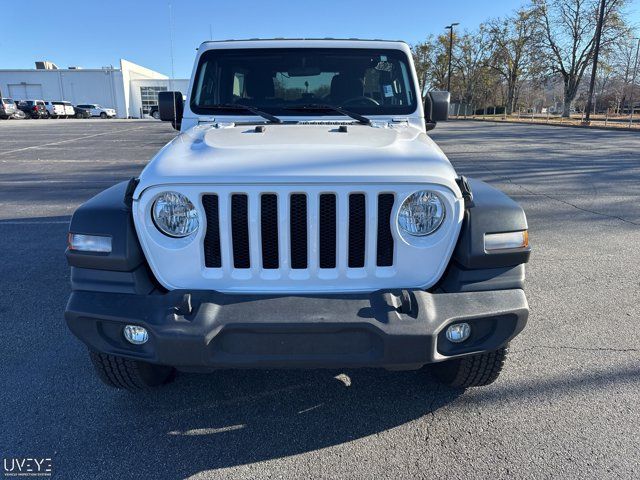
495,242
89,243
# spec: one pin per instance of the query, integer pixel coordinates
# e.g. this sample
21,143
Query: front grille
298,231
384,255
269,230
357,235
240,231
298,219
212,255
327,230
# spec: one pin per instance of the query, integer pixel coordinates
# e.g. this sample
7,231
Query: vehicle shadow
232,418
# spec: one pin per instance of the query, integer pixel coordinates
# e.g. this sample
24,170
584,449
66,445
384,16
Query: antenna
173,95
171,47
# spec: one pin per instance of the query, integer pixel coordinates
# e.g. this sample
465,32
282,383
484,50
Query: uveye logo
27,467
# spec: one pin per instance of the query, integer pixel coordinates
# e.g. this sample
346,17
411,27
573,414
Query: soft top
304,43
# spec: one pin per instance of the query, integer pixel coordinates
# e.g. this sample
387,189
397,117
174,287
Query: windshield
365,81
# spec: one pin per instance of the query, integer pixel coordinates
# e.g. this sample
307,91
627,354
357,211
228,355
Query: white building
131,89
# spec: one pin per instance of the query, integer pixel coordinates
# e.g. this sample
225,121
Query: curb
522,122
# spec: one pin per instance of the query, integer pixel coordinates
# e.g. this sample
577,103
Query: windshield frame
285,110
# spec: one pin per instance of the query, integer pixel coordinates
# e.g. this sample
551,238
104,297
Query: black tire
472,371
133,375
79,115
156,114
103,115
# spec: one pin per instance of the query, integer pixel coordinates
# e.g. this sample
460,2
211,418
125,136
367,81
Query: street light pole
633,82
450,28
594,70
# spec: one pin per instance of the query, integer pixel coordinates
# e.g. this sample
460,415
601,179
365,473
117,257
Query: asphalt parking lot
567,404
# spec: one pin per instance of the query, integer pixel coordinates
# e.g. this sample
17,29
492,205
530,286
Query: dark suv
33,108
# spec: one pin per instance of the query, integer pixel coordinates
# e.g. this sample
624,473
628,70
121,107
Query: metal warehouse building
131,89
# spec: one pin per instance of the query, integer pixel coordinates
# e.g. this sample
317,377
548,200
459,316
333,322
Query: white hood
299,154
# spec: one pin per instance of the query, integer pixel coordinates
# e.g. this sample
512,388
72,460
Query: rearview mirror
436,107
171,108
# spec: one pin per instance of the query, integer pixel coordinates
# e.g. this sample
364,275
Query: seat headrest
259,85
344,87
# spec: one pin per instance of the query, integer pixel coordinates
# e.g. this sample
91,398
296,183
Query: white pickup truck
302,218
60,109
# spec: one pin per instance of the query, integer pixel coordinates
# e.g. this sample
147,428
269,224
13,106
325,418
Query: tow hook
184,307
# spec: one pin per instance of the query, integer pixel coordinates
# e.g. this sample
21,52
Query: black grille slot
385,239
212,255
240,230
269,229
327,230
357,222
298,223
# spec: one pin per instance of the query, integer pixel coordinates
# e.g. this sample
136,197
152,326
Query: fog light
458,333
135,334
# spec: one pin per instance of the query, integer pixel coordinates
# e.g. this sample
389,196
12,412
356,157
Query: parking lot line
34,222
33,147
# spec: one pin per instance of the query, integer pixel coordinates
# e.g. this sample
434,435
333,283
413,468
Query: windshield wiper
238,106
321,106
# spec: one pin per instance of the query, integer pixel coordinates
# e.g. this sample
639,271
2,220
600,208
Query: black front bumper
378,329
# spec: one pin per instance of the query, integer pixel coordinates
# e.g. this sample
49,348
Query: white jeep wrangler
303,218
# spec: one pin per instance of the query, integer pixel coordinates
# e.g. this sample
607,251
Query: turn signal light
494,242
89,243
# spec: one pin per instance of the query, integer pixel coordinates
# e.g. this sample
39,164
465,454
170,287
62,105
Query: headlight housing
174,215
421,213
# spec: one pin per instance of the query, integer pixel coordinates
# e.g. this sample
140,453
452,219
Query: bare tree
471,61
568,32
431,60
511,39
622,60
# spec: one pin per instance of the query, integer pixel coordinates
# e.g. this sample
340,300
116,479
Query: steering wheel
360,101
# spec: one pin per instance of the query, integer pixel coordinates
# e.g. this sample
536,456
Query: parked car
18,115
98,110
327,230
82,112
33,108
7,108
69,111
55,109
154,112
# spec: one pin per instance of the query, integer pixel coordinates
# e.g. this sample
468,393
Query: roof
308,42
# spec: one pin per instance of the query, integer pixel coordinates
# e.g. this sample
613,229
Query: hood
299,154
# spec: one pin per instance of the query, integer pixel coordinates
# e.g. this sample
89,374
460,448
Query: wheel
156,114
472,371
133,375
103,115
78,115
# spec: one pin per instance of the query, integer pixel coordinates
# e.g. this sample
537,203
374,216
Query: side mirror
171,108
436,107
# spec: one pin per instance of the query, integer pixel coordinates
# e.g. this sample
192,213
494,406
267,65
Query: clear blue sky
94,33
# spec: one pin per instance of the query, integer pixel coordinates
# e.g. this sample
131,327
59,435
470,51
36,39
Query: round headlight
174,215
421,213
